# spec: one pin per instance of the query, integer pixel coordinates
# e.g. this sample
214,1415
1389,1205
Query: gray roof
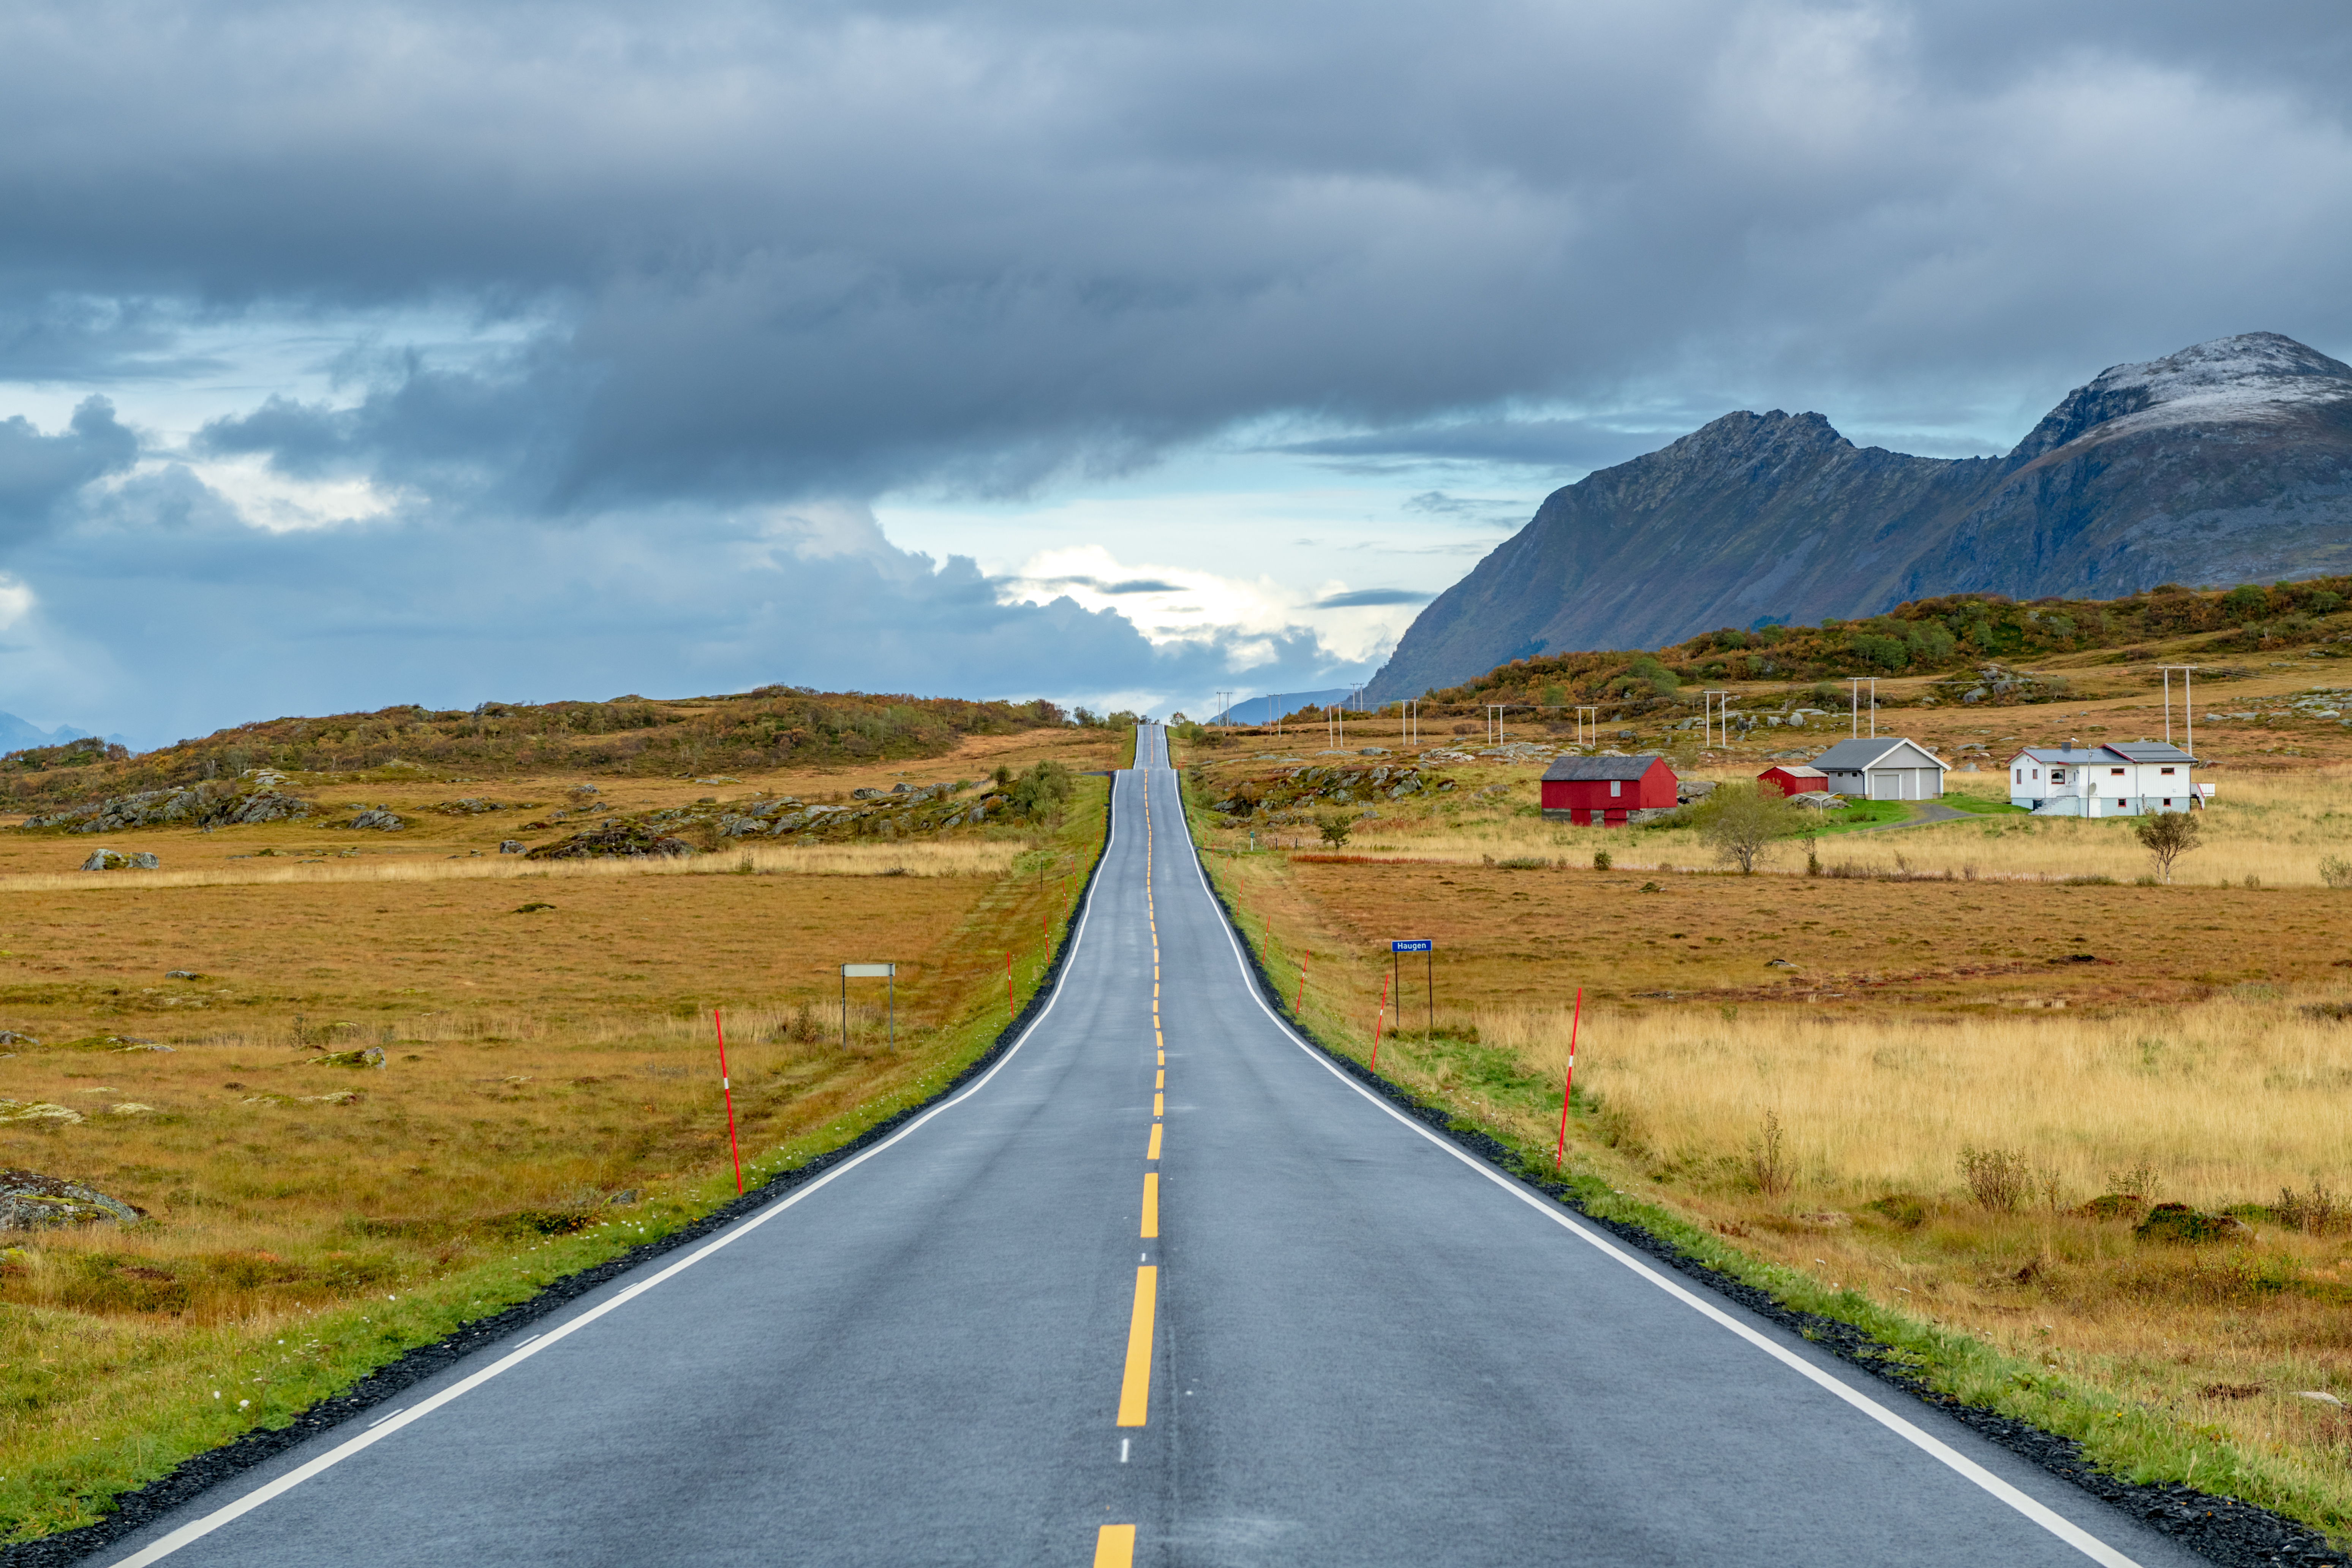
2118,751
1583,768
1857,755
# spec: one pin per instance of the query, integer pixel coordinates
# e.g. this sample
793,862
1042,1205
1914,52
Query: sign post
850,971
1426,947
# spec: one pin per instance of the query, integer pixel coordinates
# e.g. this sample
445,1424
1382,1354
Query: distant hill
768,727
1972,641
2228,462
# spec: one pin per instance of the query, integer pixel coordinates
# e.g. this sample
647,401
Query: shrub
1997,1179
2336,871
1600,861
1335,829
2314,1212
1740,822
1768,1161
2187,1226
2166,836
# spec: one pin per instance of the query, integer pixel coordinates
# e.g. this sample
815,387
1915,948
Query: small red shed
1793,781
1589,790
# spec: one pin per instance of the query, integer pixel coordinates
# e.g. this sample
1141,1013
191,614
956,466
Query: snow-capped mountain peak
2258,376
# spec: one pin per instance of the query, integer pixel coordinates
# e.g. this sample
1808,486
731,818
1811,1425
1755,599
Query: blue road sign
1416,944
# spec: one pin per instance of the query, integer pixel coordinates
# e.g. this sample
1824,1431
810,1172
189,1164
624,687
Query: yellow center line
1135,1387
1163,1058
1153,1152
1115,1546
1159,1105
1151,1205
1161,1081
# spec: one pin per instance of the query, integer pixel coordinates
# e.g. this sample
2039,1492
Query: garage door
1886,786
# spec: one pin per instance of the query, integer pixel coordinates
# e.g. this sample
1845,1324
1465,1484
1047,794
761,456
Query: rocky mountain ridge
2229,461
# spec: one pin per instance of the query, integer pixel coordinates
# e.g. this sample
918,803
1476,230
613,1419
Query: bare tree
1741,822
2167,836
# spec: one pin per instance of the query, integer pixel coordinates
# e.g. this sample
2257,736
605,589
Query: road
1081,1314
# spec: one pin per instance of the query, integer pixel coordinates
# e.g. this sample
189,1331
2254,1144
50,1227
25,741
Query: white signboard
868,971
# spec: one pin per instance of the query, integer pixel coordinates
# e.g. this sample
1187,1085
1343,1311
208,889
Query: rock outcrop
609,843
115,860
2228,462
30,1201
208,804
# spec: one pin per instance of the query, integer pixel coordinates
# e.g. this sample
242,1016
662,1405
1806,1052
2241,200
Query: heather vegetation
772,727
1930,636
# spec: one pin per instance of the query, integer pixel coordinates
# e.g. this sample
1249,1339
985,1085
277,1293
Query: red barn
1793,781
1589,790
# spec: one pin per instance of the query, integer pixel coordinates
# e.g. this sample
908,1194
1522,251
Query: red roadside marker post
1377,1019
1569,1083
1008,987
1300,1010
728,1089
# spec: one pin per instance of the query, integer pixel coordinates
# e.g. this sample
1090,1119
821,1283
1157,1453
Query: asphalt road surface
1106,1308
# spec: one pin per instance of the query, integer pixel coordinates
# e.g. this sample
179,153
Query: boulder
30,1201
509,846
379,820
11,1037
373,1057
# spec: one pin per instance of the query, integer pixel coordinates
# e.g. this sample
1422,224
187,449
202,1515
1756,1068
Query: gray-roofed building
2118,778
1606,790
1882,768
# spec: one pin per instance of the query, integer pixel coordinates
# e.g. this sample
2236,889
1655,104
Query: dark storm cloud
838,249
737,255
38,471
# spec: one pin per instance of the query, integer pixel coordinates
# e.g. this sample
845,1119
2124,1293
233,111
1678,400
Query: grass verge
298,1245
1497,1093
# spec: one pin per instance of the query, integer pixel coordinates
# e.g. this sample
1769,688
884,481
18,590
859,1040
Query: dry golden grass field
549,1092
1799,1068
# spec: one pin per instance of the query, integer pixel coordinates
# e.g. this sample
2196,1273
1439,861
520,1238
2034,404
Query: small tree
2167,836
1335,831
1741,822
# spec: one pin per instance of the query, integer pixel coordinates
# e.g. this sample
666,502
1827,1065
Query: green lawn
1859,814
1983,805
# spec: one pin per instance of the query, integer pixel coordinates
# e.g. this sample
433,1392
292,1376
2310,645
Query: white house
2122,778
1882,768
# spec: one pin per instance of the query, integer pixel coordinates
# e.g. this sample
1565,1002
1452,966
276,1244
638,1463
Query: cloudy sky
1115,351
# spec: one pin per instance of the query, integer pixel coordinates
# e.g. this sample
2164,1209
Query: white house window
2167,799
2019,775
2117,772
2057,775
1616,786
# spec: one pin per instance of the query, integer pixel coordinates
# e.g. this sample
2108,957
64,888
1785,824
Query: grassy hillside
1954,635
772,727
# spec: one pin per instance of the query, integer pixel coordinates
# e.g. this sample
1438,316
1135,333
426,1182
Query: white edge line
196,1530
2057,1524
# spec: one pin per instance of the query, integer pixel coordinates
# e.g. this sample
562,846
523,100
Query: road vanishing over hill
1102,1309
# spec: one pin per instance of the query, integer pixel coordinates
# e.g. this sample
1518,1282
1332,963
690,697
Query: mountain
2228,462
15,735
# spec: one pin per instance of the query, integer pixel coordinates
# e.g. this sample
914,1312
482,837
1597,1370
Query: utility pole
1225,707
1715,699
2187,703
